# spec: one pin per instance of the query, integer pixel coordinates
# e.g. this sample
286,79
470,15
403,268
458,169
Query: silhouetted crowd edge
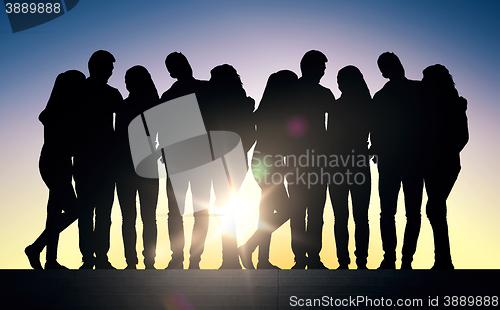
305,142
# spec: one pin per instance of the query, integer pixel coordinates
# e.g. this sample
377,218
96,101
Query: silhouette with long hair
447,135
56,166
94,161
142,96
349,125
306,127
274,204
226,107
180,69
397,141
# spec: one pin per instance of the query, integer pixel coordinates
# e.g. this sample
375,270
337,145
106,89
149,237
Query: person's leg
85,220
201,201
413,190
176,225
126,191
389,185
360,195
314,232
339,195
103,200
298,203
438,187
148,196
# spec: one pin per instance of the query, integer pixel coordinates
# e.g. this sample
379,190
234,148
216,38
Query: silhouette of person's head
352,83
279,82
313,65
225,75
390,66
138,80
64,95
101,66
438,76
178,66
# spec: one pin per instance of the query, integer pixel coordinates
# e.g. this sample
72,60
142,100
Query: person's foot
266,265
387,264
105,264
299,265
87,265
149,265
443,265
343,266
54,265
175,264
360,266
316,265
233,264
33,257
406,265
130,266
194,265
246,258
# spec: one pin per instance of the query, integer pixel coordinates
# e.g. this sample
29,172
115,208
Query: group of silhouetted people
413,130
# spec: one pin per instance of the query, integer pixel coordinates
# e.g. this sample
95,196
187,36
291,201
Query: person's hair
99,59
351,82
225,75
312,61
277,87
138,79
178,65
390,66
440,81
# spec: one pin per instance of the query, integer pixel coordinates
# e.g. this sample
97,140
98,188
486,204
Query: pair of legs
273,212
360,189
391,176
127,186
55,169
95,188
307,200
201,199
438,185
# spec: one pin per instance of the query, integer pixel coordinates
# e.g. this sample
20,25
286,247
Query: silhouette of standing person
447,135
307,189
274,204
226,107
397,141
56,166
143,95
349,125
94,162
180,69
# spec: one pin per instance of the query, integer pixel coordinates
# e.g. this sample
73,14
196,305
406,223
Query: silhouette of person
226,107
307,189
56,166
447,135
180,69
274,203
142,96
349,125
94,161
397,141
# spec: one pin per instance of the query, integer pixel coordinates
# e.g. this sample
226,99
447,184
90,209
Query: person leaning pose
270,122
56,166
447,135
